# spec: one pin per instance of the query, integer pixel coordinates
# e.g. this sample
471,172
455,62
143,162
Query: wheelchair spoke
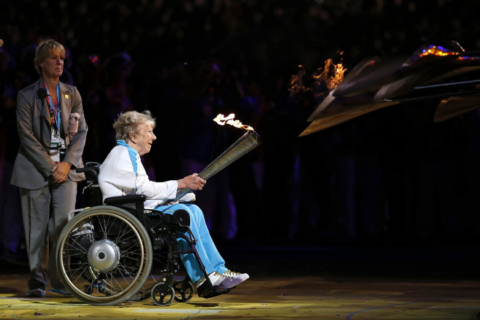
119,236
123,275
110,225
130,255
128,249
127,234
133,258
80,267
103,227
79,245
76,269
113,278
80,273
74,249
78,263
89,286
74,255
111,283
124,239
134,269
134,252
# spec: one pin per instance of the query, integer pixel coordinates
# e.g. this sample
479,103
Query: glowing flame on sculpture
296,86
331,75
221,120
437,51
326,79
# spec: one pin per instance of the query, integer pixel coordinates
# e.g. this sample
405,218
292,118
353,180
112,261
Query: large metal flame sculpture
377,83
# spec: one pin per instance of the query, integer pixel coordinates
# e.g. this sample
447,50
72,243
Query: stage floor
265,297
352,281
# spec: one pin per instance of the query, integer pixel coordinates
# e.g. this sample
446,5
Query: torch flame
221,120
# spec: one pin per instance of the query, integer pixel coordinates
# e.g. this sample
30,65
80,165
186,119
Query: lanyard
55,111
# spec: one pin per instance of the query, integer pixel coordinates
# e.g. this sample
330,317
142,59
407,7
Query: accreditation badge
56,144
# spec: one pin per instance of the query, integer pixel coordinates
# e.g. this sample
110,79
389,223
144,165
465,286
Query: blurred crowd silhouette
389,174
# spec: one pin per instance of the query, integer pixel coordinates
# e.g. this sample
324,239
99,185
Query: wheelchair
108,254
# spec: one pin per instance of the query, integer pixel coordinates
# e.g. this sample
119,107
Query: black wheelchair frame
105,252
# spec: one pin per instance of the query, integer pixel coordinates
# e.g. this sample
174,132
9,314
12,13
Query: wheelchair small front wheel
163,294
183,291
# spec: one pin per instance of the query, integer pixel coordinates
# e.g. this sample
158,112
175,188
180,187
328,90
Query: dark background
389,178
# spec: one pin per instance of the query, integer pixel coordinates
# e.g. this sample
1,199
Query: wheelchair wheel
163,294
183,291
104,255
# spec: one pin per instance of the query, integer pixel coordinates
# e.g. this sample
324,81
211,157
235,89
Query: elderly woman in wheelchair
106,253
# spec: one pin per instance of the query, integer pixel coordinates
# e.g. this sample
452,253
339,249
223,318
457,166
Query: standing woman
52,132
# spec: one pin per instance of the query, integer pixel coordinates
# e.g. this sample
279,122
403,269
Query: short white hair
128,124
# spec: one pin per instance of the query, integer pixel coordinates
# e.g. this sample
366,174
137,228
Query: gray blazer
33,165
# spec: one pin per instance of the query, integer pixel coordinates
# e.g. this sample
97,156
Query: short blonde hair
44,49
128,124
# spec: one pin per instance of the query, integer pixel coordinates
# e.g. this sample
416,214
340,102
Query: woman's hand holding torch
193,182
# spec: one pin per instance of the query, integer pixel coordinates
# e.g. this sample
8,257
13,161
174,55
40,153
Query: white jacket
122,173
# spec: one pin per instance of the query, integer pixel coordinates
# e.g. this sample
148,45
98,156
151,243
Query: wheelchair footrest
210,292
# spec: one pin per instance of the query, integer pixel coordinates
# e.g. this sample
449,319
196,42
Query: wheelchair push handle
90,168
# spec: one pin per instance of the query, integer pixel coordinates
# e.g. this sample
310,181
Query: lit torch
245,144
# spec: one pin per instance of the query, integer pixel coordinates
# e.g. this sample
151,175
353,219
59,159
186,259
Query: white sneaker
215,278
86,228
232,279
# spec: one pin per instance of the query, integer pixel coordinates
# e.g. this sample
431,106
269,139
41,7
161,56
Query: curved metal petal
372,78
455,106
428,75
325,103
339,113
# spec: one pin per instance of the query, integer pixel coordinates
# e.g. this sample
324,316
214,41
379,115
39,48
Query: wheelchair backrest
92,192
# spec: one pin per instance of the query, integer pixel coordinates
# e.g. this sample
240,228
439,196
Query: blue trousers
207,250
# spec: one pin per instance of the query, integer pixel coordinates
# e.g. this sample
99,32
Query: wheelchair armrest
138,199
125,199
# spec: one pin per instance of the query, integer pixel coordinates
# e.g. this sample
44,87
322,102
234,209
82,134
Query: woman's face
52,66
142,142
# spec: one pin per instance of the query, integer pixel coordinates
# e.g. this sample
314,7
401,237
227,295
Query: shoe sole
235,284
36,294
60,292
